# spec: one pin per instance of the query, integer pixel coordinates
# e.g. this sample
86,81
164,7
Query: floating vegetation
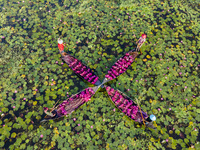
165,77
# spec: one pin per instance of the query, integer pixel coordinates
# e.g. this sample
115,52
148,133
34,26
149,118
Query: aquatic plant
165,77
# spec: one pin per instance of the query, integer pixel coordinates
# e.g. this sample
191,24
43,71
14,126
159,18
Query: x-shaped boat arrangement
122,101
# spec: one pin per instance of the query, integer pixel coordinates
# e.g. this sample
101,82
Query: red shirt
61,47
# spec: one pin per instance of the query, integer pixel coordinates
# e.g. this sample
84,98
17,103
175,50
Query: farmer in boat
140,42
61,47
49,115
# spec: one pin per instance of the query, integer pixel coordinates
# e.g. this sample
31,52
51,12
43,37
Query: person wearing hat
140,42
61,47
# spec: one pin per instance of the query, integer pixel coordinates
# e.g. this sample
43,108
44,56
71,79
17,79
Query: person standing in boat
61,47
140,42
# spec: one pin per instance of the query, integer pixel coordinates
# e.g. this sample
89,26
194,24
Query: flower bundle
126,105
69,105
80,69
121,65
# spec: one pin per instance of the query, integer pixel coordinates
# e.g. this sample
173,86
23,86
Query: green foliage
165,77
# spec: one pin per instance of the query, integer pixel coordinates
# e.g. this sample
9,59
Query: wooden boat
70,104
129,107
120,66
